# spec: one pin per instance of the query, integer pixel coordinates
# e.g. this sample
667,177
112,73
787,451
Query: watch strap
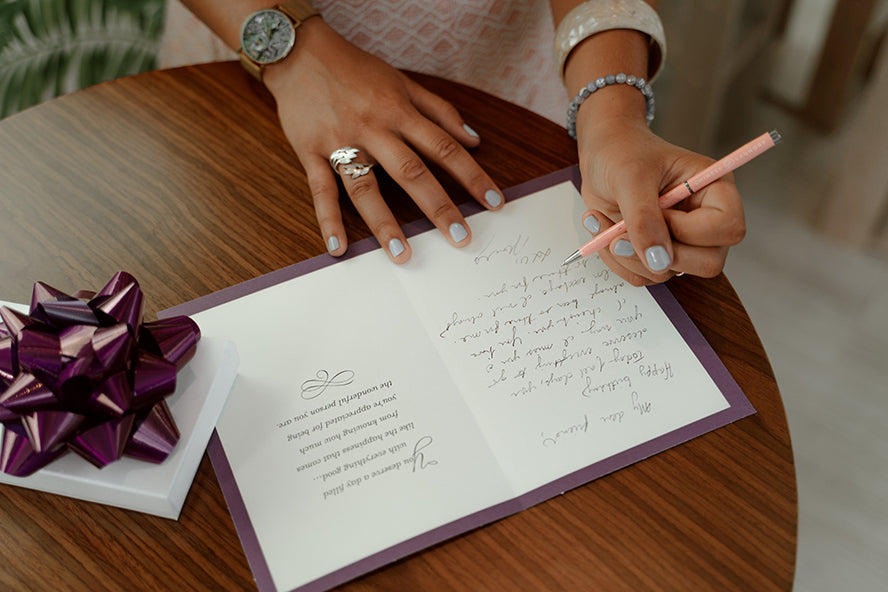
250,66
298,11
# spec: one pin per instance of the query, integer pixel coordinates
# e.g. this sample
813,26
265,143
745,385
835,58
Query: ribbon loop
84,373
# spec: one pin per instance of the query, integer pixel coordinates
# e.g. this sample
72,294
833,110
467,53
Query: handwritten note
562,365
378,403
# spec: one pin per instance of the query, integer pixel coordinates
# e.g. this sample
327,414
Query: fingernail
493,198
470,131
623,248
332,244
458,232
592,224
396,247
657,258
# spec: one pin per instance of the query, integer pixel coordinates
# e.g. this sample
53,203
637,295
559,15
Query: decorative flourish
418,458
86,374
314,388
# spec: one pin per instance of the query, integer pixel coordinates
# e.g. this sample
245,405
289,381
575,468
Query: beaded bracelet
600,83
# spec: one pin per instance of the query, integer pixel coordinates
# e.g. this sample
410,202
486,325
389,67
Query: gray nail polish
592,224
470,131
332,244
396,247
657,258
493,198
623,248
458,232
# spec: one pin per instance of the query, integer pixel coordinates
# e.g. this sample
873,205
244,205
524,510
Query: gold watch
267,36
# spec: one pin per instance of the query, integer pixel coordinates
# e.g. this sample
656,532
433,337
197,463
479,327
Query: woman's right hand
625,168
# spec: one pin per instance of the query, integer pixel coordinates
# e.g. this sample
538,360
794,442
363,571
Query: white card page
378,402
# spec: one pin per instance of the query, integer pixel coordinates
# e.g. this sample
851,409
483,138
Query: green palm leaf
51,47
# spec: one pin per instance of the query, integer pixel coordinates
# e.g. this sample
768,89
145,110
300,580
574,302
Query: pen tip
576,255
775,136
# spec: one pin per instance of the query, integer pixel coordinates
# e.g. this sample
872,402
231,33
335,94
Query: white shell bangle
596,16
600,83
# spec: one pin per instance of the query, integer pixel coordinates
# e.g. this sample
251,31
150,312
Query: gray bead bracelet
600,83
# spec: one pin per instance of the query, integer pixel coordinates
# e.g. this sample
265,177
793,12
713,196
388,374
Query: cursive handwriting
530,331
490,252
515,250
573,429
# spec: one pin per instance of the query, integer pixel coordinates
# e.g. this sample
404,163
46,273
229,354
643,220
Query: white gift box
202,387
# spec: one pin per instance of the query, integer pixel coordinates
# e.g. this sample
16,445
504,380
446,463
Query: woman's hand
625,168
332,95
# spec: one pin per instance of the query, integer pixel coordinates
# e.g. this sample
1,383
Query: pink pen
710,174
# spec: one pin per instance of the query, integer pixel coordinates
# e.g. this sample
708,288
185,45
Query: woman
343,69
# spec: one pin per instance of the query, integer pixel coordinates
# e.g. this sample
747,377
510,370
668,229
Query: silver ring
343,162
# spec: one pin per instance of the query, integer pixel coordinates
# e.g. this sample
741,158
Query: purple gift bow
86,374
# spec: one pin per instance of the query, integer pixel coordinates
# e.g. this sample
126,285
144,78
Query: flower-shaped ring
343,162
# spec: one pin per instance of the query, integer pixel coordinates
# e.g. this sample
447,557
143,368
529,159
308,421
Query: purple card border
739,407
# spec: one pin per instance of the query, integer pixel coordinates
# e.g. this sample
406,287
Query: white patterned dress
503,47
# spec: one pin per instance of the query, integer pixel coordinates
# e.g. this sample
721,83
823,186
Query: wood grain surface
184,179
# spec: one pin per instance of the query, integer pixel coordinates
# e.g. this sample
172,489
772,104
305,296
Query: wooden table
184,179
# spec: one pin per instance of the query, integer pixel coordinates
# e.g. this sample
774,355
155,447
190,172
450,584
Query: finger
699,261
626,255
645,224
364,193
717,219
440,147
627,266
443,113
704,262
591,223
411,173
325,196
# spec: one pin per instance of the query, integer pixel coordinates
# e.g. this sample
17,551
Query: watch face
267,36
